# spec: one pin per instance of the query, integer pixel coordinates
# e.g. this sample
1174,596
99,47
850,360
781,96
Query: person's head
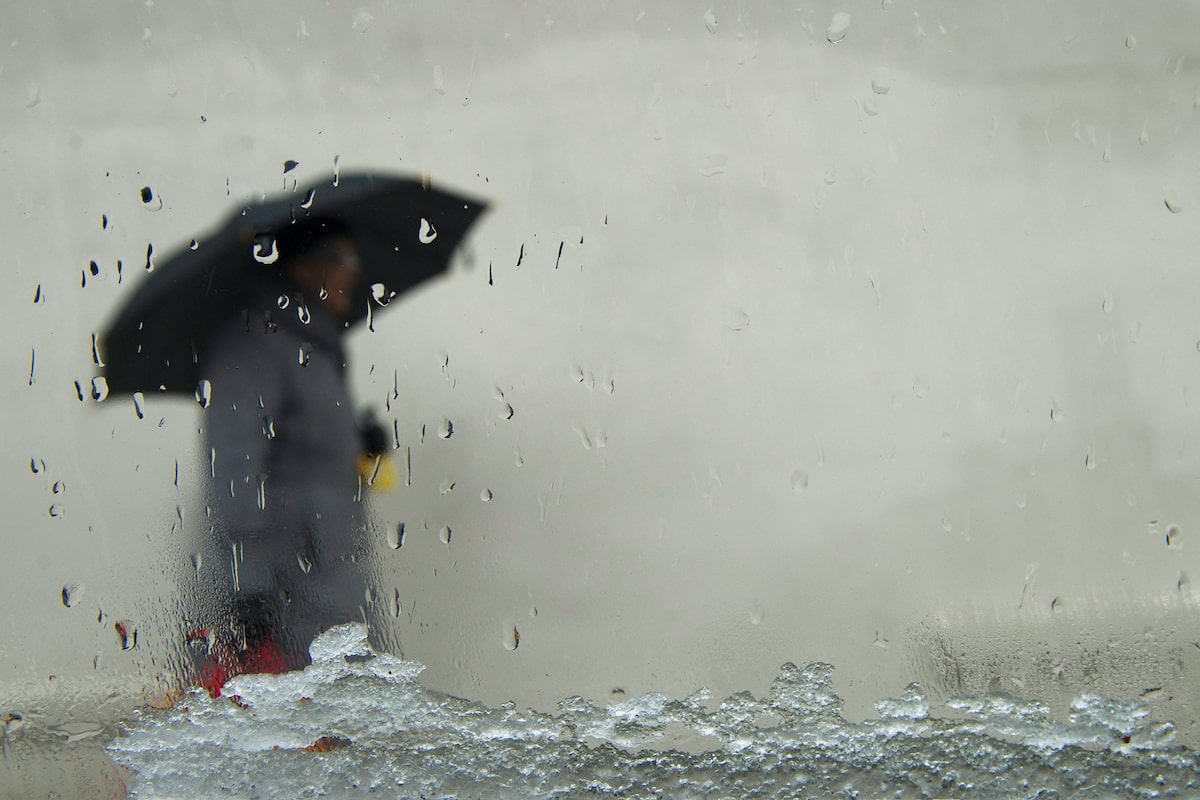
319,256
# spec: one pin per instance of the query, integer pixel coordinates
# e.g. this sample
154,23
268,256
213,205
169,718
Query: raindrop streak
444,534
32,365
138,400
838,27
303,314
799,480
427,233
308,199
37,295
305,352
96,352
1056,413
149,258
445,428
559,259
99,388
395,536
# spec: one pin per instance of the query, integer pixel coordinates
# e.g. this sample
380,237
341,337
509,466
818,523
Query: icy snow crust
406,741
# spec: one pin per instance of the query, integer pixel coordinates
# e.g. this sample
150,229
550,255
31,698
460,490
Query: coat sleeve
249,391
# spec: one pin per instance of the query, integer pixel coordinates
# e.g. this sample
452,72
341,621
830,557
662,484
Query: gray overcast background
881,353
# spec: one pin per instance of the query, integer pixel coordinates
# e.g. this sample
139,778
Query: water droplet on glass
139,401
448,486
737,320
1106,305
486,495
518,459
289,165
921,386
757,614
445,428
713,164
1089,459
396,609
204,393
395,536
710,21
197,563
512,637
193,245
304,563
1174,537
99,388
71,594
1172,200
33,95
265,251
1130,41
1144,136
1056,413
506,412
381,294
882,82
839,26
283,301
303,354
799,480
363,20
427,233
56,511
58,488
126,634
444,534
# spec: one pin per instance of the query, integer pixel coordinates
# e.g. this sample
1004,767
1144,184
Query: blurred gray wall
880,352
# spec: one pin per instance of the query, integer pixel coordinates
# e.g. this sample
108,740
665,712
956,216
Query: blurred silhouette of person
282,441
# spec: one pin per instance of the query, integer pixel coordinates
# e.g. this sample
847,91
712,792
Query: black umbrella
405,232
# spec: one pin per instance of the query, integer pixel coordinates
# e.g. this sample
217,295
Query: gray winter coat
282,441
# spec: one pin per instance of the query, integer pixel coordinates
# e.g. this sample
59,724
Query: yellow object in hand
378,471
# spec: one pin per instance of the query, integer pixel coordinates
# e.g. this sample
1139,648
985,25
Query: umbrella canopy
405,232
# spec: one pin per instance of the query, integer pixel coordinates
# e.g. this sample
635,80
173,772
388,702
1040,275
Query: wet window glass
537,399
